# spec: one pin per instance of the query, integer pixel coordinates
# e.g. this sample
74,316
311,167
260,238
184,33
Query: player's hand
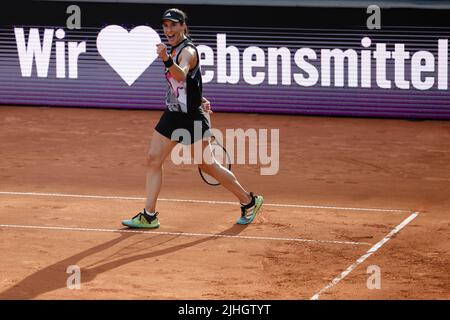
161,50
206,105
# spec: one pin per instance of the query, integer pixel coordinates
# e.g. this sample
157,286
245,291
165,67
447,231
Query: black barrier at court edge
286,310
288,60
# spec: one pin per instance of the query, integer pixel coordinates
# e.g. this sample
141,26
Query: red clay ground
344,162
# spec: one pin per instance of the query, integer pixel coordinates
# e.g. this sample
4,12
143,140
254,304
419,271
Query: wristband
169,62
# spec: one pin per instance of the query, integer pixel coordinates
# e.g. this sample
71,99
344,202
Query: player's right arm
187,59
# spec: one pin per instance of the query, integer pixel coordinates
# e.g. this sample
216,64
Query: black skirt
185,128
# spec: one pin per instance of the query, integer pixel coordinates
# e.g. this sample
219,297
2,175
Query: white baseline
184,234
199,201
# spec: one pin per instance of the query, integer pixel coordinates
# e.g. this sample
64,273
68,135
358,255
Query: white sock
246,204
149,213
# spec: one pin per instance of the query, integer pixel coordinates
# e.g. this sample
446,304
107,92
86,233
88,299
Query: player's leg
227,179
250,204
159,149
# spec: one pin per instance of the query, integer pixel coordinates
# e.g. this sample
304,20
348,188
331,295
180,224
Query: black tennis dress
183,103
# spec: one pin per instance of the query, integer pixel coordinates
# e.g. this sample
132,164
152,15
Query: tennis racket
220,154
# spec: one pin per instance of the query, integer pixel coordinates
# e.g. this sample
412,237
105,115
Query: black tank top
184,96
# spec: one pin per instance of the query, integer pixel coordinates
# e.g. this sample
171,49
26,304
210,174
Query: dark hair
184,15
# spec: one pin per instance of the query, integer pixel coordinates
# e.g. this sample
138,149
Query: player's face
174,31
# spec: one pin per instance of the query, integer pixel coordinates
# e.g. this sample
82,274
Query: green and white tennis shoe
143,221
251,210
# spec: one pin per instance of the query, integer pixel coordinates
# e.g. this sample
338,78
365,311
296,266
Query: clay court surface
69,176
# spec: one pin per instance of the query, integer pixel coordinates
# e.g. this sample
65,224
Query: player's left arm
206,105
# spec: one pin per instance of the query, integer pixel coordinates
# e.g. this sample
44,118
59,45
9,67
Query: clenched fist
161,50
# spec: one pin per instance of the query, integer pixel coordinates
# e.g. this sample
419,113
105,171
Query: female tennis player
185,107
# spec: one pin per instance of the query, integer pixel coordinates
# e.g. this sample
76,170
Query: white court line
361,259
199,201
185,234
